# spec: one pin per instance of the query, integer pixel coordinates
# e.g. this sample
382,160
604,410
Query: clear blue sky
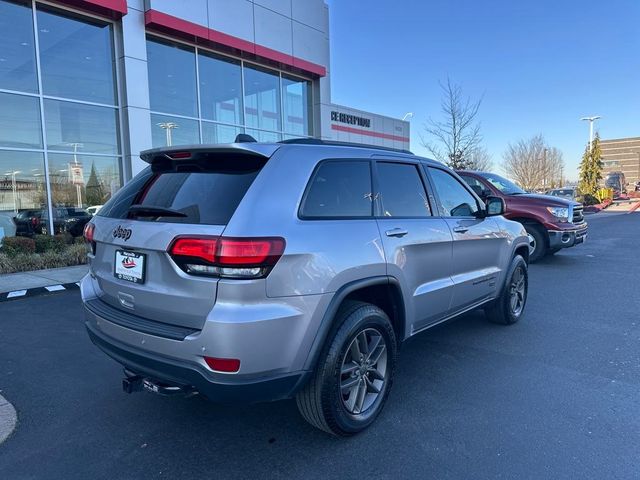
536,63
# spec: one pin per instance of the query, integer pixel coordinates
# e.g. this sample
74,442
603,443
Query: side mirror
495,206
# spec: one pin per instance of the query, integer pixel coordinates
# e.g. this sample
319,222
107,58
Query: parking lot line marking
17,293
55,288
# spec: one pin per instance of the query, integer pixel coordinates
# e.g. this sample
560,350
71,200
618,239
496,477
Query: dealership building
85,85
622,155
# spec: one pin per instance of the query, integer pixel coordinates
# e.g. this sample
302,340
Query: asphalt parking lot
555,396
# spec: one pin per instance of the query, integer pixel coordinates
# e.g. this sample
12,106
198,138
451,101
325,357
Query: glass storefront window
220,89
262,136
82,180
76,58
20,125
172,78
81,128
296,100
216,133
166,131
22,181
17,48
261,99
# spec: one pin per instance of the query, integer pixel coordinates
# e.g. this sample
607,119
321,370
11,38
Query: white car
93,210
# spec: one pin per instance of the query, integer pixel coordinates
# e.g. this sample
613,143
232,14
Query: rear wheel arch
383,292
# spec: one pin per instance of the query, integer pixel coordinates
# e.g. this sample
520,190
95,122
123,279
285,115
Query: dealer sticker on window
129,266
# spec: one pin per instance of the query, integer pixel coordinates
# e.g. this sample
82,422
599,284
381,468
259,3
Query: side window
339,189
455,200
475,184
401,190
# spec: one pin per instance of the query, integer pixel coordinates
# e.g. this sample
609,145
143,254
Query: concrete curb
8,419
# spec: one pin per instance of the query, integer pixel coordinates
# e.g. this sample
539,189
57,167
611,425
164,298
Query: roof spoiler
243,147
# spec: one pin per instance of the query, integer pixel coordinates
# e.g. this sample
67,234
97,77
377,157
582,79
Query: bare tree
453,139
533,164
480,159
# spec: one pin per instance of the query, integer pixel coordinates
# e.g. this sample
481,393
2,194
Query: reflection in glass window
82,180
17,48
22,184
20,125
172,78
81,128
262,136
167,131
296,100
261,99
220,88
76,58
215,133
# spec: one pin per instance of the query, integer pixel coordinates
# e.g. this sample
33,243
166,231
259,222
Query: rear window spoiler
202,152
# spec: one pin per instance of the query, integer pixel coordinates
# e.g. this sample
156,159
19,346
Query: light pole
168,126
406,116
14,189
591,120
75,162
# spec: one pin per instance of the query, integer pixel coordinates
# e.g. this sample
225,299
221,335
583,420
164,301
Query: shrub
75,255
47,243
27,262
65,238
590,200
13,246
6,265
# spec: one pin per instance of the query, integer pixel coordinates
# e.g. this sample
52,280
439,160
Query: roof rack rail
317,141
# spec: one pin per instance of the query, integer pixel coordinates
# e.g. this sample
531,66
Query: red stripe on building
368,133
107,8
165,23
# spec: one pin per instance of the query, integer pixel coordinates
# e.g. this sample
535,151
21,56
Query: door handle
461,229
396,232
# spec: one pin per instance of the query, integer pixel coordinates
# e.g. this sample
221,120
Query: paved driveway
555,396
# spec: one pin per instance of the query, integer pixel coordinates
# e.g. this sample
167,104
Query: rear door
132,267
417,245
477,242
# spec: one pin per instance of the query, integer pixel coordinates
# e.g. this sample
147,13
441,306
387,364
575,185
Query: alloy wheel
532,243
517,291
363,371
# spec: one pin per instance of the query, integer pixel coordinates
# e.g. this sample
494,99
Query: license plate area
130,266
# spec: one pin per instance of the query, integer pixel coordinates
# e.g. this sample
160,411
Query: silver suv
256,272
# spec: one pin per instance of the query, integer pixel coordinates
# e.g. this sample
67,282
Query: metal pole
15,192
590,133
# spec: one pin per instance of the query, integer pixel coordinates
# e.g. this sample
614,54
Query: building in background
85,85
622,155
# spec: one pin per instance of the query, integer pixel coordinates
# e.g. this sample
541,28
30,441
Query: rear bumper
216,387
567,238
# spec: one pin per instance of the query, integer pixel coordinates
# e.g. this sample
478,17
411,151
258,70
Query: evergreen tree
94,190
591,168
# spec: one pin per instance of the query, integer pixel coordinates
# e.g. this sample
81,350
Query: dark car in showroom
65,219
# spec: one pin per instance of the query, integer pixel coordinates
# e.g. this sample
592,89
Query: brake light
179,155
202,248
35,221
87,233
227,257
227,365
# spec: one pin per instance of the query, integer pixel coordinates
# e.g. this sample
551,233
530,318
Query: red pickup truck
551,222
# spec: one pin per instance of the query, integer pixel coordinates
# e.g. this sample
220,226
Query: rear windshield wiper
153,211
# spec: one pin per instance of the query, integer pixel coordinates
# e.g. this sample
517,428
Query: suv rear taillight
89,229
227,257
35,221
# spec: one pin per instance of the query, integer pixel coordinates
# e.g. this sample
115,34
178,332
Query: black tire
322,402
502,309
539,242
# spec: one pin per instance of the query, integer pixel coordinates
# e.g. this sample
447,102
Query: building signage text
350,119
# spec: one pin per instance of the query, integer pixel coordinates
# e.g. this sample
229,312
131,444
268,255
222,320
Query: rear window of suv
204,194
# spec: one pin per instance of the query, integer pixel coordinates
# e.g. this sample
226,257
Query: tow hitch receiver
136,383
